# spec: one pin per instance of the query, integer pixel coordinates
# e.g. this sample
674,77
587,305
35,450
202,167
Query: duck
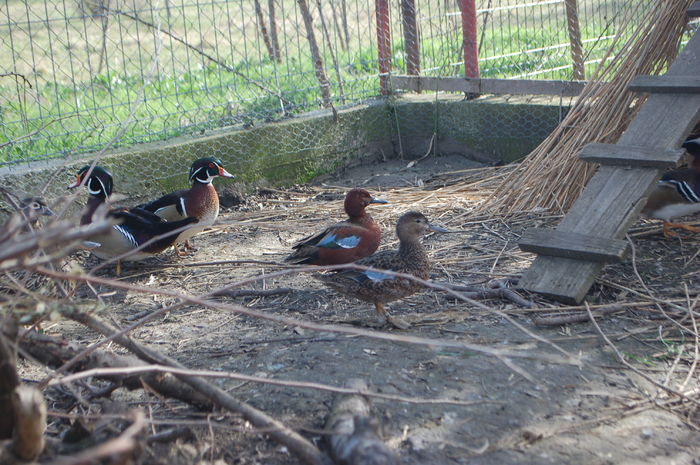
33,208
133,227
28,215
200,201
344,242
380,288
677,193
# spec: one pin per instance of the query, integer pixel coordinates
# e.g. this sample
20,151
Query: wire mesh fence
77,74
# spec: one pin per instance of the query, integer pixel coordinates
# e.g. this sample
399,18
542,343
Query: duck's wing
169,207
138,228
343,235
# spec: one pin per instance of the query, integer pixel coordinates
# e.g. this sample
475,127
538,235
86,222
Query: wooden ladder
591,234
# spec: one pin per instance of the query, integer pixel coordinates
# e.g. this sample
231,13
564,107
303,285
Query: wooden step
694,10
563,244
665,84
621,155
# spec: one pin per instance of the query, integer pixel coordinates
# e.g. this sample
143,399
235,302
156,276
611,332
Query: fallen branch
474,292
29,410
124,444
355,438
8,376
54,353
117,373
305,450
201,300
253,292
580,317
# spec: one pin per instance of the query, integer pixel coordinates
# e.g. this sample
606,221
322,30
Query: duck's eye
212,165
35,205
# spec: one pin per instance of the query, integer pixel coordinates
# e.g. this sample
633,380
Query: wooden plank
555,243
628,155
665,84
614,196
694,10
487,86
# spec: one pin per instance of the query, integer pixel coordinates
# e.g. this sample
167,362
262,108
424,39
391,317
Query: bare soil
600,412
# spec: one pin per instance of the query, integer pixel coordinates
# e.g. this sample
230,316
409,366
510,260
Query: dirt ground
600,412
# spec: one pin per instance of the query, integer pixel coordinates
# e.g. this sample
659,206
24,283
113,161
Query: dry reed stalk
552,176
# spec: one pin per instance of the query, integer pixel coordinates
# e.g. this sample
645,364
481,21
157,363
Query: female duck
344,242
134,227
381,288
200,201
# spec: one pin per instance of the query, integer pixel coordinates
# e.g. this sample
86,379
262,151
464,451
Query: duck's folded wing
168,205
338,236
683,188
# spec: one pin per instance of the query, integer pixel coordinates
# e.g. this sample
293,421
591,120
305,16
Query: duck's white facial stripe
99,190
182,206
203,181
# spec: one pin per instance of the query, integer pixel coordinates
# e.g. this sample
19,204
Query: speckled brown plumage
380,288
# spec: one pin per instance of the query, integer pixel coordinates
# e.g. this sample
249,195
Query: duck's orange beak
76,183
224,173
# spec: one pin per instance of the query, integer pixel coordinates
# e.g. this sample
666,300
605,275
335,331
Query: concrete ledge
488,129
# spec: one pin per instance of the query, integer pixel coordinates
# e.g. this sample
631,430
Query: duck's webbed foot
668,225
383,317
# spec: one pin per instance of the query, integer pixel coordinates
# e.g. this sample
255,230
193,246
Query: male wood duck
677,193
344,242
200,201
380,288
134,227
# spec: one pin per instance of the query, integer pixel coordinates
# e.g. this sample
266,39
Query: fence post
575,39
471,46
410,36
383,44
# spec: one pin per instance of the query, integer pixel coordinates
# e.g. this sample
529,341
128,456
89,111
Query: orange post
383,44
471,47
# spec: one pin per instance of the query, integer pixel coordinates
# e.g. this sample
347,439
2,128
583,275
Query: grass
67,107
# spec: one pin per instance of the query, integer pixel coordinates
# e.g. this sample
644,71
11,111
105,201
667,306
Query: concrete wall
488,129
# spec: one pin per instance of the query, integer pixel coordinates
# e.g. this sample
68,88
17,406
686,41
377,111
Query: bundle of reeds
551,176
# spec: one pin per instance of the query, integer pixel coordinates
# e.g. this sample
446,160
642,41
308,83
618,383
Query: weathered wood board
487,86
666,84
572,245
627,155
615,195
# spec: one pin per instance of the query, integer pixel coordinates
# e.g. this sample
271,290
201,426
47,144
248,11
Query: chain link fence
78,75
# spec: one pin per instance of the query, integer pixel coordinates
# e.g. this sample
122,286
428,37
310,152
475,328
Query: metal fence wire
77,74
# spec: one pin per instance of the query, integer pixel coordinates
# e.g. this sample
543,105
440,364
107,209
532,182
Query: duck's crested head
205,169
414,225
33,207
357,199
99,182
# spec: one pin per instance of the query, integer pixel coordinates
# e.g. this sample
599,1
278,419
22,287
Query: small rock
647,433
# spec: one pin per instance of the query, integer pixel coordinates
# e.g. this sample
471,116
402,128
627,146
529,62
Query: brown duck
381,288
344,242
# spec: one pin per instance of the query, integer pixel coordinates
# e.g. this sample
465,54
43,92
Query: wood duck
133,227
677,193
200,201
344,242
380,288
33,208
